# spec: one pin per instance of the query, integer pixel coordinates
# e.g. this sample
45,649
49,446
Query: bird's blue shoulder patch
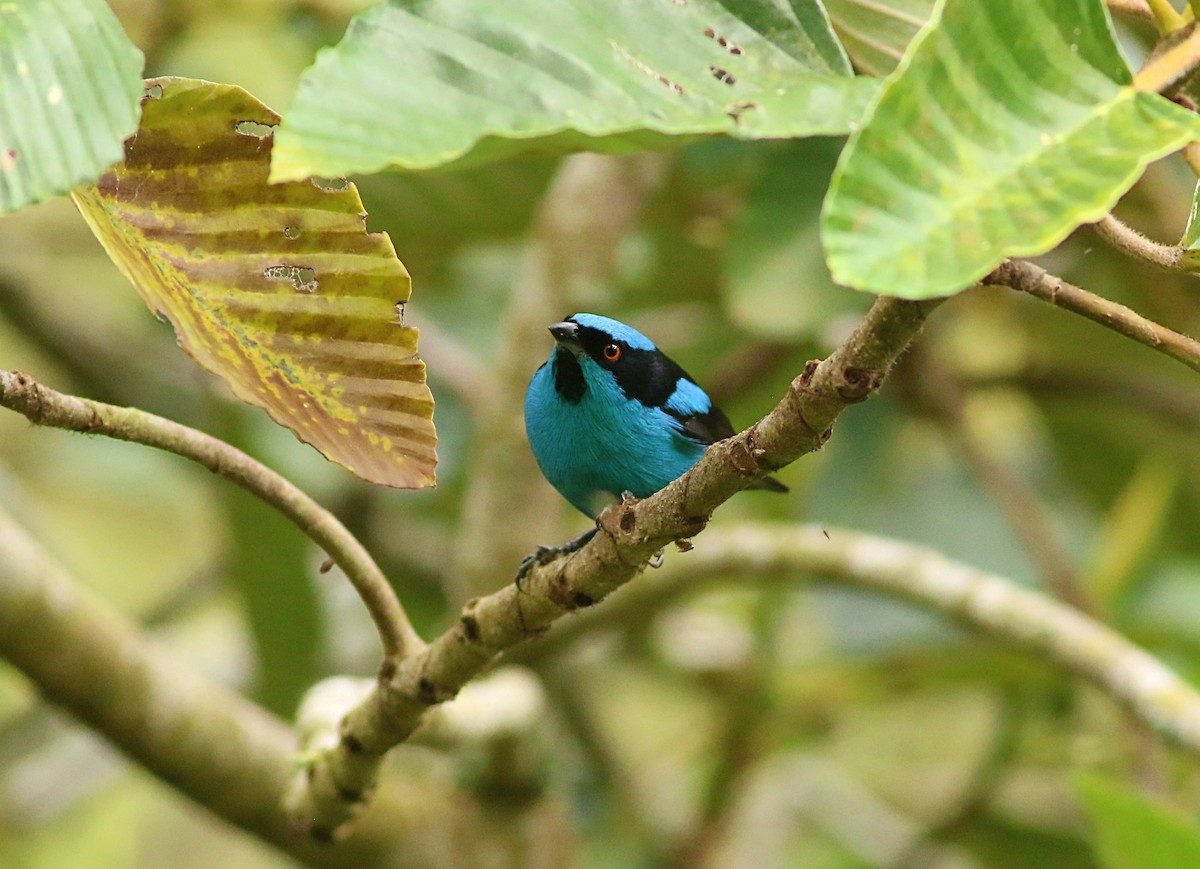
688,399
618,330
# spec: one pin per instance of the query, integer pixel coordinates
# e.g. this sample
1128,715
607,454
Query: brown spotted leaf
279,289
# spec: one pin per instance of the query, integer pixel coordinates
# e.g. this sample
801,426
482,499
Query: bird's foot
546,554
656,561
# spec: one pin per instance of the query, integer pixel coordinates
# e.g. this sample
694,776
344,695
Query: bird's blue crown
634,339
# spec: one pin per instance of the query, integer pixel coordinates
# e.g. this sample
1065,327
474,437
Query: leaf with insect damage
422,83
279,289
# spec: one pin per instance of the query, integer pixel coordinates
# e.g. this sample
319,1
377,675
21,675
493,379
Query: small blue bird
610,413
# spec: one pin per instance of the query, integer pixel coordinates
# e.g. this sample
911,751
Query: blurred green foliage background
754,724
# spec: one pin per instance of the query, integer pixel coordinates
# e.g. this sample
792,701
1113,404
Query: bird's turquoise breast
595,448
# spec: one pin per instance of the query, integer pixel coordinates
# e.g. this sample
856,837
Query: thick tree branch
989,603
1037,282
982,601
209,743
328,791
44,406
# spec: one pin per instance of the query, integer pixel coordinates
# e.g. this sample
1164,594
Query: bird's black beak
566,334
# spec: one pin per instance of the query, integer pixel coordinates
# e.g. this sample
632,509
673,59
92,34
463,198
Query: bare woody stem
327,794
1036,281
44,406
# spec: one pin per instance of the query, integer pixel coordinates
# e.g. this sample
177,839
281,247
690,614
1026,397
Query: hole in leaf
154,92
400,312
646,68
722,75
8,158
291,232
727,44
330,185
736,111
302,278
255,129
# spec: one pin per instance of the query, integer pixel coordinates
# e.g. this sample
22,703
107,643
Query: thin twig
44,406
330,789
1128,240
1036,281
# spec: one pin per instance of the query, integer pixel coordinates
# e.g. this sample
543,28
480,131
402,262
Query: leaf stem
44,406
1172,65
1037,282
1129,241
1165,15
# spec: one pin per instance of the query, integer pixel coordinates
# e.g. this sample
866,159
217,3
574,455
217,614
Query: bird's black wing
707,427
706,423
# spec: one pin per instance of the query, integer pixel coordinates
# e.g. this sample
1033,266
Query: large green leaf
876,32
421,83
1005,127
69,87
1132,832
277,288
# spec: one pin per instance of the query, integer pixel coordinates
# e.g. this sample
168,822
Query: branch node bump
858,383
470,624
430,694
387,669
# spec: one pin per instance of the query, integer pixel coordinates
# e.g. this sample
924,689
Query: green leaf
69,87
1133,832
1006,126
876,32
1191,236
423,83
278,289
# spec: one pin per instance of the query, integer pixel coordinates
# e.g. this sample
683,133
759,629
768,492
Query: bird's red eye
612,352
